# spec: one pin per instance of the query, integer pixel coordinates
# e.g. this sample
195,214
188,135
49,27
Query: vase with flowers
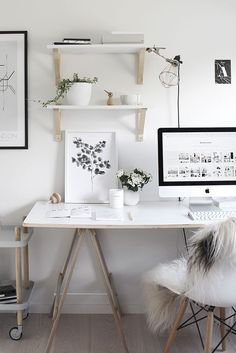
132,182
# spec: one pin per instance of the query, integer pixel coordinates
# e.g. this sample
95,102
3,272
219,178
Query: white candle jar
116,197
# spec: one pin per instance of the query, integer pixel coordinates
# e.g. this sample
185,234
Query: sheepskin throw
164,286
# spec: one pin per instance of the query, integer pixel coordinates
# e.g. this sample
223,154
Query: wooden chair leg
180,314
209,330
222,329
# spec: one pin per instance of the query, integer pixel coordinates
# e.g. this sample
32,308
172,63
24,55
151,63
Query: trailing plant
64,86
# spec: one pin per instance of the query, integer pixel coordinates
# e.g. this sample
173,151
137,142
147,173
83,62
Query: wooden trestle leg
67,277
111,295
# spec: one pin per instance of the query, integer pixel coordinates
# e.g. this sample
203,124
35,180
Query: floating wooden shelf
138,49
140,112
96,107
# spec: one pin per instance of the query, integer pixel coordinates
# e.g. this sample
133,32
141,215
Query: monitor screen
197,161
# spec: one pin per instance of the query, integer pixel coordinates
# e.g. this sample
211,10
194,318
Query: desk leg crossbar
64,281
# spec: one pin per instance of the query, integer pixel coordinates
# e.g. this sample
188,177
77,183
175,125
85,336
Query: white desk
146,215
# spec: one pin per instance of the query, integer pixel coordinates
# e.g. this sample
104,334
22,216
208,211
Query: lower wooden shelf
139,109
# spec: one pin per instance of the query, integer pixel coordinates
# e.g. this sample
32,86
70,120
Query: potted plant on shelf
132,182
77,90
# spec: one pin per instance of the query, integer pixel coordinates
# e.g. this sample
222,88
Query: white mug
116,197
130,99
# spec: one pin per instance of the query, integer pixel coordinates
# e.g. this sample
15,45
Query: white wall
200,31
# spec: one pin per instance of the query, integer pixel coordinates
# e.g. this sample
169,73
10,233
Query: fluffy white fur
163,287
200,276
223,245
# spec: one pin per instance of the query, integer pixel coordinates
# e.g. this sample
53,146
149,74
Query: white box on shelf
123,37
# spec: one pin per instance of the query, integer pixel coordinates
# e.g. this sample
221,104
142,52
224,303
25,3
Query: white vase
79,93
131,198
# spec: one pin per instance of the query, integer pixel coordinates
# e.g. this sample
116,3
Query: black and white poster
223,71
91,164
13,90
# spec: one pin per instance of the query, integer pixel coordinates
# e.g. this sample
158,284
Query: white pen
130,216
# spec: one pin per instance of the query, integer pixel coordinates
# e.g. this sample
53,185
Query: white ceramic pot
79,93
131,198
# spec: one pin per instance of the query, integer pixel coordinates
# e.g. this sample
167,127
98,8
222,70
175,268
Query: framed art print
90,166
13,90
223,71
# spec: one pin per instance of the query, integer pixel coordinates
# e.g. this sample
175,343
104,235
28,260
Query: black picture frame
13,90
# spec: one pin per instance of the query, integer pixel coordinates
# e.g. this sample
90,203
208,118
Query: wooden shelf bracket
57,64
141,58
140,123
57,124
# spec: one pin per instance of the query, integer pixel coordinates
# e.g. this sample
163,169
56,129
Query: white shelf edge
100,48
97,107
12,243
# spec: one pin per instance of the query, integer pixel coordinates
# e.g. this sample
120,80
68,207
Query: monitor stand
205,204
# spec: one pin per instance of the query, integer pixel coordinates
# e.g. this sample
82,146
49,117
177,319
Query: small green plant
64,86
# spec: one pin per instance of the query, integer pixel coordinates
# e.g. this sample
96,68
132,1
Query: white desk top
171,214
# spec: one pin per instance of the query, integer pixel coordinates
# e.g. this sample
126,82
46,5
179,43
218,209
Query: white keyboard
211,215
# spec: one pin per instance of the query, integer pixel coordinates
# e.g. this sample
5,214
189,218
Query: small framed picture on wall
223,71
13,90
91,164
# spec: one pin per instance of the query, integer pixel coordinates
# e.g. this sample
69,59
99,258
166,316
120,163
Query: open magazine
79,211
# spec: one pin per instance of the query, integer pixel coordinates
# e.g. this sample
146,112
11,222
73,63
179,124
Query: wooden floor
94,334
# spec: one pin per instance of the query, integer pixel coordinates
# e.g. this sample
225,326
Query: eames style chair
205,280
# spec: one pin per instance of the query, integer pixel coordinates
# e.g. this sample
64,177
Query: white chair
206,279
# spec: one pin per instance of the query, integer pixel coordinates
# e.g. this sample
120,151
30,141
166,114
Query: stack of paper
108,215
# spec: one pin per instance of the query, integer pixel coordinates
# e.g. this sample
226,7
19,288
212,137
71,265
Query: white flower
136,178
120,173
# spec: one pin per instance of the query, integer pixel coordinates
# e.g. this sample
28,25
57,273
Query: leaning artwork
91,164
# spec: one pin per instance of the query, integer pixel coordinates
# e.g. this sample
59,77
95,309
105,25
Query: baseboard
87,303
83,309
73,309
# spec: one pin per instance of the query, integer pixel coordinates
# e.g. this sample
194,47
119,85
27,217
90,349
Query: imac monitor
197,162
